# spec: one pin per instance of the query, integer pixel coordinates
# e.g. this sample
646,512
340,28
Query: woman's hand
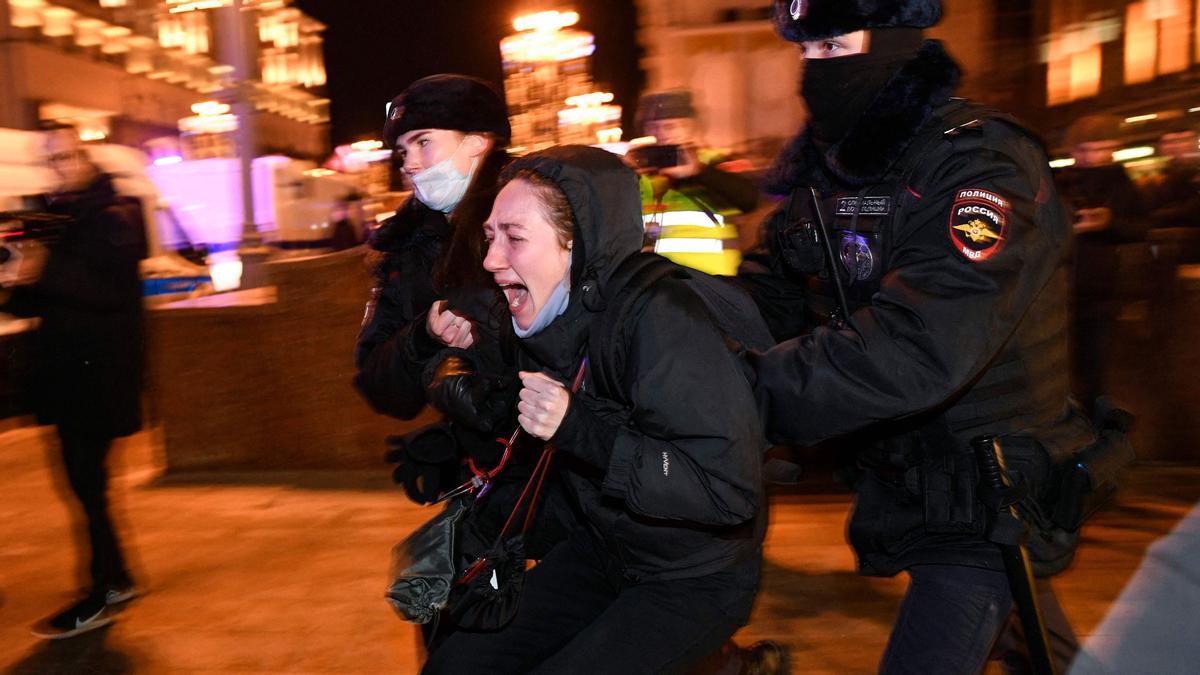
452,330
543,405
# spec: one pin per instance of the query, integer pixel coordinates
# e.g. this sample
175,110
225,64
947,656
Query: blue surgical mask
441,187
555,305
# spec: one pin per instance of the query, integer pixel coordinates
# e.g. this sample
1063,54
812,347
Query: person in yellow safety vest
686,202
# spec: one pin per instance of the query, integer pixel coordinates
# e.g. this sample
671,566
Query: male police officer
947,243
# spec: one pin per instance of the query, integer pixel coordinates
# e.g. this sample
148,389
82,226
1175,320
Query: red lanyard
481,479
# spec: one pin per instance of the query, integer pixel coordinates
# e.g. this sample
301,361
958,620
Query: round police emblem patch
857,257
978,224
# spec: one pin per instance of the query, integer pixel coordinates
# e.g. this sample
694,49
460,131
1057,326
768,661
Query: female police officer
942,295
450,131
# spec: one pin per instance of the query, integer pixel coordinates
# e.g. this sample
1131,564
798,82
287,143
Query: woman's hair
461,263
556,209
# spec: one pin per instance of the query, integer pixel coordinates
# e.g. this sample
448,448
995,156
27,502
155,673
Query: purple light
168,159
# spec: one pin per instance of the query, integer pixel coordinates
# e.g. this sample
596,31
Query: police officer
938,309
449,132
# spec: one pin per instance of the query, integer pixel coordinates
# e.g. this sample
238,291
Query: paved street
284,573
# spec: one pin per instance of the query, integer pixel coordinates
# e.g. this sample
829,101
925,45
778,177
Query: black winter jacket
671,482
394,350
88,353
1097,261
957,265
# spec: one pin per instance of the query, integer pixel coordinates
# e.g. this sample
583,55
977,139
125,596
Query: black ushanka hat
801,20
447,101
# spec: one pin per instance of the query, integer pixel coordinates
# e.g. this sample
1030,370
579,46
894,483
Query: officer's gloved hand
472,399
426,462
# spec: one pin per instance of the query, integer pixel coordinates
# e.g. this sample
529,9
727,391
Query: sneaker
88,614
766,658
115,595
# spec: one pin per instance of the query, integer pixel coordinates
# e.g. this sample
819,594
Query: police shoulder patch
978,223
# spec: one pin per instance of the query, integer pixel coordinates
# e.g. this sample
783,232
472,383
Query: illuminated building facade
131,70
741,75
545,63
744,78
1138,60
1048,61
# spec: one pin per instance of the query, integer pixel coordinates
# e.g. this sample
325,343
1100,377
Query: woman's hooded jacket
670,481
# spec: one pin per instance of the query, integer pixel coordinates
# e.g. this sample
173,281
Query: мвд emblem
978,224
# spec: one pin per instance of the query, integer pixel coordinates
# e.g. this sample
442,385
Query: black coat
958,326
1175,200
672,481
1097,260
88,354
394,350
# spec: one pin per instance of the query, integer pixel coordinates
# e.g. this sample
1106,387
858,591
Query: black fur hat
800,20
676,103
448,101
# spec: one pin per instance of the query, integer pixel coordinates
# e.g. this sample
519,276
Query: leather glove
426,462
475,400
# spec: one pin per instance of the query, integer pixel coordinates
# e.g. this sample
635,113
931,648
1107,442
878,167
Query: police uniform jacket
394,349
952,245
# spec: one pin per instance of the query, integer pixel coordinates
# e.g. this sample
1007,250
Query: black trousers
84,455
578,615
954,618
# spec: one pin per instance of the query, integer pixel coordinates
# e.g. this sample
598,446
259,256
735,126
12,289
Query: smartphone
654,156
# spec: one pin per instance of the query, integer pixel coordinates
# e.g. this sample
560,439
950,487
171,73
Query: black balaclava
839,90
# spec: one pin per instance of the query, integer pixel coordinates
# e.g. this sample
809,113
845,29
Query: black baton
990,458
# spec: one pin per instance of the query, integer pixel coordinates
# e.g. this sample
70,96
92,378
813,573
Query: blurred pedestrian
1107,213
920,265
1174,196
87,370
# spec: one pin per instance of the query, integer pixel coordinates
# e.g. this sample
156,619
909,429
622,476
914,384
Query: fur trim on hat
827,18
879,138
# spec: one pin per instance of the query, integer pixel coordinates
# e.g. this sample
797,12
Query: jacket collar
98,195
880,137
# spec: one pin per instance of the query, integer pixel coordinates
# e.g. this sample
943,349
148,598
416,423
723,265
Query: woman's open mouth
517,296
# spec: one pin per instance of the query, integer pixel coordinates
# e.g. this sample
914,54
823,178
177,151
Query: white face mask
555,305
441,187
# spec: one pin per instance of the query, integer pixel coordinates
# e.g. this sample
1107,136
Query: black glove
426,462
475,400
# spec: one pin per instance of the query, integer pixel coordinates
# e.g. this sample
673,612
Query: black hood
881,135
607,209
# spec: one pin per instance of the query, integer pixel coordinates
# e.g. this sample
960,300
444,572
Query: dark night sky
375,48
